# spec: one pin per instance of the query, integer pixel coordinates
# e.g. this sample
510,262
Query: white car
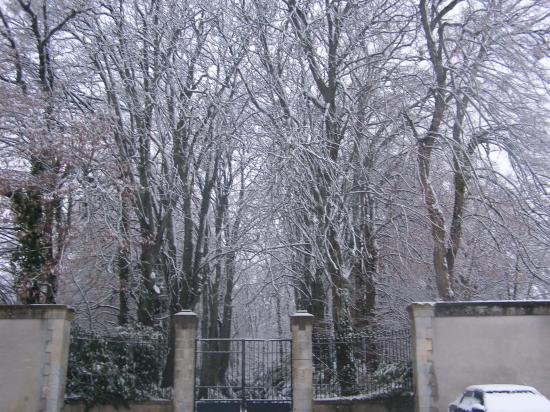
500,398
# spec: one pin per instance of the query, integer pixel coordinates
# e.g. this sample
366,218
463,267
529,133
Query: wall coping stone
485,308
62,312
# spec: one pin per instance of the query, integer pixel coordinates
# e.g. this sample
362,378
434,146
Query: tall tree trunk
123,261
346,371
425,146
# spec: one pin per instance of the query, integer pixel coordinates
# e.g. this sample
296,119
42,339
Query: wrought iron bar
243,374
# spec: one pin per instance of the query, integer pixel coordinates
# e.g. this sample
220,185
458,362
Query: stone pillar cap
186,312
186,319
302,314
301,319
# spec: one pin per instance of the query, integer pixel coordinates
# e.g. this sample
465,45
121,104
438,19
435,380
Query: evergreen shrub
397,375
116,369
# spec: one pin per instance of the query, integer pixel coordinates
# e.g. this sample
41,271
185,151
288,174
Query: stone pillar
425,385
185,324
34,353
301,325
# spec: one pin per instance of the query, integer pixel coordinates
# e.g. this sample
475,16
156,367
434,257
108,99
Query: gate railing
243,371
122,367
372,366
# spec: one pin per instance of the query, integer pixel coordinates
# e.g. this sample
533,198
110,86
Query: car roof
501,388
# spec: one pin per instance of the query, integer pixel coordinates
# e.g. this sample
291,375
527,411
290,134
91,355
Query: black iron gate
243,375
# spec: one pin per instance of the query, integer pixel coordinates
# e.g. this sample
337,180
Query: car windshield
524,401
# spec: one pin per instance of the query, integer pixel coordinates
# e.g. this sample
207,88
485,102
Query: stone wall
457,344
150,406
34,344
398,403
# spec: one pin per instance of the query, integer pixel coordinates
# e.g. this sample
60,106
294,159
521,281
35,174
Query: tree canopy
346,157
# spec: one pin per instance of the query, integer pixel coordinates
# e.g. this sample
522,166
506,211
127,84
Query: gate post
185,323
301,324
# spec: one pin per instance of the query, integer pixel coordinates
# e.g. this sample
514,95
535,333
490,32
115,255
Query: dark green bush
396,375
115,369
